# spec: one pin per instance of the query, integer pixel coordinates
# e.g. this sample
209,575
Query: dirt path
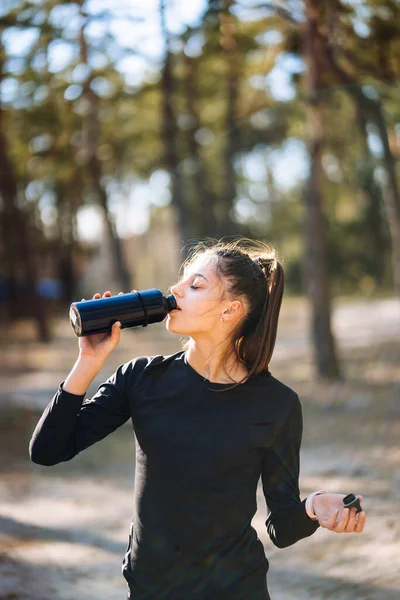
56,542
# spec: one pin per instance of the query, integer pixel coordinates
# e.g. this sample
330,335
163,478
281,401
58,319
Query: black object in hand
352,500
137,309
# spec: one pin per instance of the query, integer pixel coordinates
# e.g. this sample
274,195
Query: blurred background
131,130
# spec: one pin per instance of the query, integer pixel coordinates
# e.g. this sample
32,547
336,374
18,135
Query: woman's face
198,296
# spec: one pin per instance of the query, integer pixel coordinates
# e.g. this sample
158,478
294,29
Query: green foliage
45,122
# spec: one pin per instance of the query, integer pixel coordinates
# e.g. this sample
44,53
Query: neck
208,360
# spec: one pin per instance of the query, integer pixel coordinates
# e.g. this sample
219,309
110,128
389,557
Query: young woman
209,421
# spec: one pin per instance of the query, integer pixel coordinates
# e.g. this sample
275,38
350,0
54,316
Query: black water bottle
136,309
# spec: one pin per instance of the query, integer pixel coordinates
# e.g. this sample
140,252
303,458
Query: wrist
81,376
310,504
89,362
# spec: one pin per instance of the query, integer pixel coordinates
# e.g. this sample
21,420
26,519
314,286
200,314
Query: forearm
289,520
53,439
290,524
81,376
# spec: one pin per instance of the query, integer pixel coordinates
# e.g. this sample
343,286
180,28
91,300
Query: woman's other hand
99,346
332,514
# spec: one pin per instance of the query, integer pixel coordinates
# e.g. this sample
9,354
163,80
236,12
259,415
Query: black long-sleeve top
200,452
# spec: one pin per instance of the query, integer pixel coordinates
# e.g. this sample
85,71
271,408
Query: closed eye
193,287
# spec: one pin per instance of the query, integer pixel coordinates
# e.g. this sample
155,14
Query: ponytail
256,343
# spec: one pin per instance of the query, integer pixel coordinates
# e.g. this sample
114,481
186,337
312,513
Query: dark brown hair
250,270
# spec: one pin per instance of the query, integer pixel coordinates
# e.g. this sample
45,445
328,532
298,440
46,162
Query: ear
234,310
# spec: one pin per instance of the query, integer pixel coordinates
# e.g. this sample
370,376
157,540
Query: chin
169,326
174,328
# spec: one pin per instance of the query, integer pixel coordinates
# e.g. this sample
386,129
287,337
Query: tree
92,130
232,59
18,250
371,109
170,131
315,260
203,195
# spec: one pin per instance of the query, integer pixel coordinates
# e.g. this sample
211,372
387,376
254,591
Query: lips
177,307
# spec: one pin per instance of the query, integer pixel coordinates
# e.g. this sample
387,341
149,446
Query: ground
63,530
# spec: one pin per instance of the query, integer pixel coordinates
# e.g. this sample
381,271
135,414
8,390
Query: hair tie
268,264
259,262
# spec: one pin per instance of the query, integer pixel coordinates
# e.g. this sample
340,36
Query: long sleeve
67,426
287,521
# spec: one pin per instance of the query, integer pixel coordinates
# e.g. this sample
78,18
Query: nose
175,290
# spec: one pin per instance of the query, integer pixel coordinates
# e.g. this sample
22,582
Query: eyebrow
198,275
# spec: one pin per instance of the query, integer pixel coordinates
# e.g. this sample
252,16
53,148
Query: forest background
131,130
278,121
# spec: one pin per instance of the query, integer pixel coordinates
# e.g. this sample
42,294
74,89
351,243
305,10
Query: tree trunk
69,200
374,220
316,275
170,134
116,246
18,248
226,225
94,166
9,241
391,194
203,193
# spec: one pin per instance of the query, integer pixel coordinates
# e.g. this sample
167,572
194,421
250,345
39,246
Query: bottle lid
171,302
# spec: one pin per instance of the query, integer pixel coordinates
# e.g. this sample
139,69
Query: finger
362,517
96,296
121,294
107,294
330,523
83,300
340,526
116,331
351,523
